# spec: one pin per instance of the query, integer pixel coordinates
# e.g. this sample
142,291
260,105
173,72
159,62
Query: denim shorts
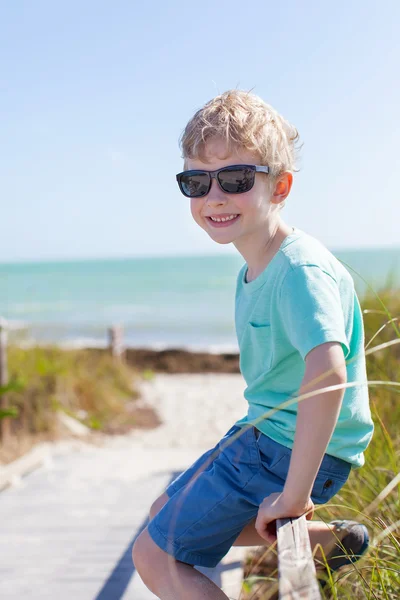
214,499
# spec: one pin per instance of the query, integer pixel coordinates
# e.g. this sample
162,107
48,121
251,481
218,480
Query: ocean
185,302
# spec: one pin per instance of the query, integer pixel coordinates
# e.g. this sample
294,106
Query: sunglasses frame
214,175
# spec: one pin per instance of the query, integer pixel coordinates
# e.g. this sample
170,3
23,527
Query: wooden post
5,428
296,568
115,344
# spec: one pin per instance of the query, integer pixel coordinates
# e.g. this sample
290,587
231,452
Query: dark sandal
352,547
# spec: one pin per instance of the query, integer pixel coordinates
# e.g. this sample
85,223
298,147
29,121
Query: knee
143,553
158,504
149,560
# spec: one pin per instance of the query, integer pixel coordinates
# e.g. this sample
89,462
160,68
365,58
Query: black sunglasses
235,179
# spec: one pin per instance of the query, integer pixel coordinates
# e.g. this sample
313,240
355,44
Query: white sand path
68,527
196,410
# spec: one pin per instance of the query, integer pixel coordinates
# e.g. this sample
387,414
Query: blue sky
94,96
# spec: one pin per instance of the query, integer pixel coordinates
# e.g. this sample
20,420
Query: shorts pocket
273,456
326,485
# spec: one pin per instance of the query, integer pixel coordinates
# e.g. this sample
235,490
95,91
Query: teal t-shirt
305,297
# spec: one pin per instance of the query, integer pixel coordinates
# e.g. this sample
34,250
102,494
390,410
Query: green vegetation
372,494
88,385
148,374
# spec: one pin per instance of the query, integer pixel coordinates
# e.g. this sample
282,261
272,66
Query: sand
196,410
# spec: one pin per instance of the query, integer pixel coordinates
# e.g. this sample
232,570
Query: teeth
223,218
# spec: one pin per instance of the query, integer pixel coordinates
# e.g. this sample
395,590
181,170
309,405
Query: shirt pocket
256,350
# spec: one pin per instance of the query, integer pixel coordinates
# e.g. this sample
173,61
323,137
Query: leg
170,579
321,534
206,514
166,567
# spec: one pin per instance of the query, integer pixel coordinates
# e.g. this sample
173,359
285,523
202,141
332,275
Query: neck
264,244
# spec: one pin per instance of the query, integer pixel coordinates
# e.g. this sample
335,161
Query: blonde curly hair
243,120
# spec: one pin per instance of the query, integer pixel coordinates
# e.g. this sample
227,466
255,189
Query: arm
312,315
316,420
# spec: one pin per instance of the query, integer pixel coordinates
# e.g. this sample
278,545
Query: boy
299,328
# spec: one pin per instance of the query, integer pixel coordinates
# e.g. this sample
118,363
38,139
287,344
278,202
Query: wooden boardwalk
67,529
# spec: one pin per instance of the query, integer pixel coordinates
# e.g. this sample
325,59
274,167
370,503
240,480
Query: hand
275,507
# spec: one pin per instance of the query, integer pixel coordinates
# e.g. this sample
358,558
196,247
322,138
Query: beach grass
88,385
372,493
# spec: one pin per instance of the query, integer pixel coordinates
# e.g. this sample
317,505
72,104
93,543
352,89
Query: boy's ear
282,187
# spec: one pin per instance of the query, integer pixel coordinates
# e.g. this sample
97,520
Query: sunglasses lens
236,181
194,185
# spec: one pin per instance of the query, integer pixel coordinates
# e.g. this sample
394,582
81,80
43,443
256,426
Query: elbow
340,373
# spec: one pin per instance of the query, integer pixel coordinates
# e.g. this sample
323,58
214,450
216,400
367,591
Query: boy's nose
216,195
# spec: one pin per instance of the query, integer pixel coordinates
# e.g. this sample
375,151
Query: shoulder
307,257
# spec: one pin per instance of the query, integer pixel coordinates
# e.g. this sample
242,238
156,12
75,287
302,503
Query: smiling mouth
223,223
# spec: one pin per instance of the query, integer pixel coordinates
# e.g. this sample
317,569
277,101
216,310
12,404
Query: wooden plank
296,569
115,343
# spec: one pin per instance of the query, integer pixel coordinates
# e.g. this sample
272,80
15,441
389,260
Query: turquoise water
161,302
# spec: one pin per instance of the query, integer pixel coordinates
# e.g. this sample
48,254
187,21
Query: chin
222,242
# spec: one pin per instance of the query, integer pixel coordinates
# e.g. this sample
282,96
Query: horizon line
103,258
